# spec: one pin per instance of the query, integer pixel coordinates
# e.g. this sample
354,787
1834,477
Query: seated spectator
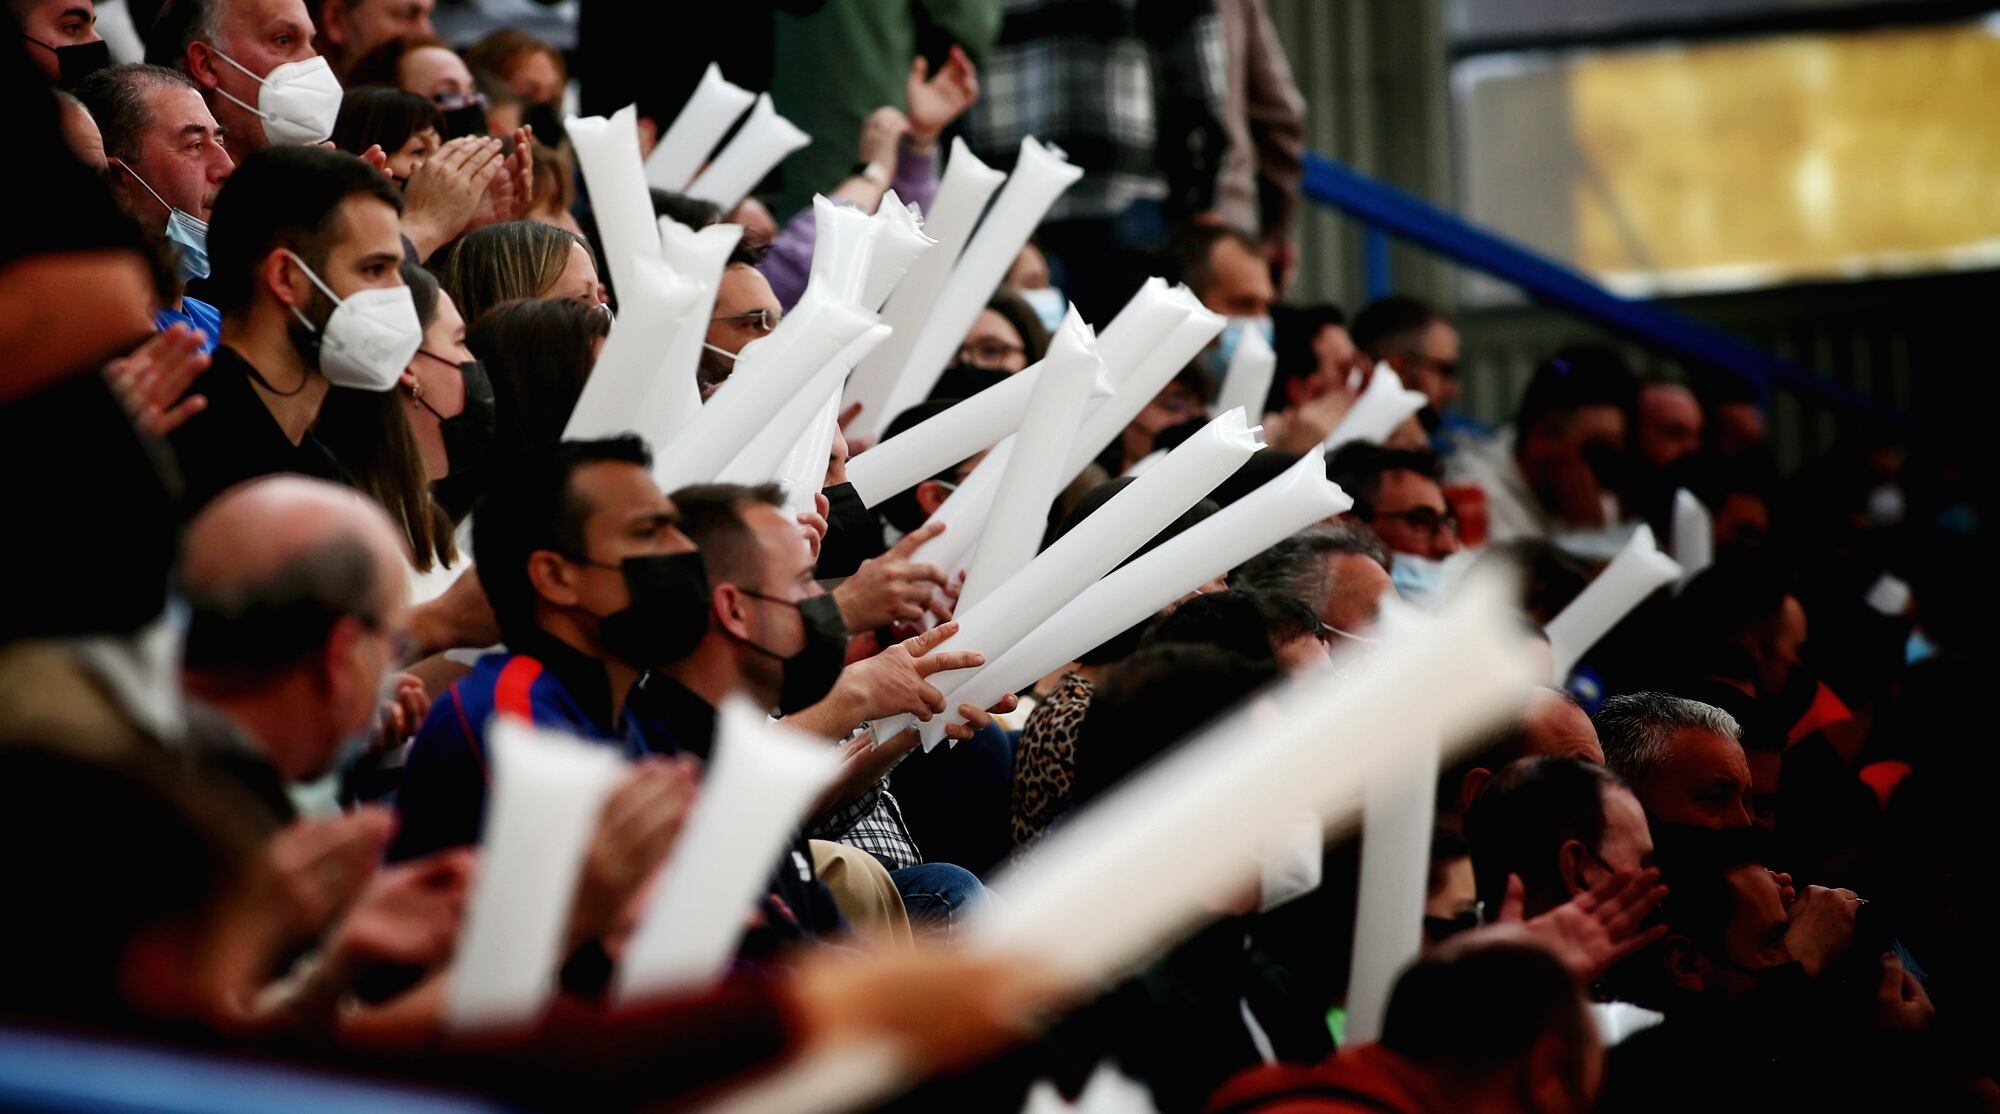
1005,338
1316,355
1451,894
352,28
746,310
1028,280
538,354
520,259
1420,345
1681,758
62,42
1396,493
1229,620
1557,470
1225,268
438,422
1769,1004
1553,726
1181,405
167,164
1559,825
306,254
229,49
1489,1024
745,540
532,71
429,68
299,597
408,129
1666,424
1340,571
1252,625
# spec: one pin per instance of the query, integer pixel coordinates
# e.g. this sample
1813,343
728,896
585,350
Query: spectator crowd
296,317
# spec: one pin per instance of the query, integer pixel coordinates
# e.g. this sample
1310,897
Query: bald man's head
298,592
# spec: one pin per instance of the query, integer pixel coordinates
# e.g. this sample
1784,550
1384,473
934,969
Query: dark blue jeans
938,896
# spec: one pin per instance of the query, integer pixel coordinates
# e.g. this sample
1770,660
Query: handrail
1384,207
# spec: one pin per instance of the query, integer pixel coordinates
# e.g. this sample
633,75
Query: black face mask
76,61
852,534
810,673
466,119
668,614
468,434
965,380
546,119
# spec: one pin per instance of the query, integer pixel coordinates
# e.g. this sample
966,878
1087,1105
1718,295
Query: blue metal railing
1384,209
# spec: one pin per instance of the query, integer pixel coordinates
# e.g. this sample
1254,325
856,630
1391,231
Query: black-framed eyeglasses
762,320
402,645
988,353
1444,928
1424,520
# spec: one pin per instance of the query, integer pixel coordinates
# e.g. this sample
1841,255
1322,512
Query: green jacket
835,66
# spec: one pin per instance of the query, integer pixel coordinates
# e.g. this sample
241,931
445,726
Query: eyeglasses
988,353
1444,928
402,645
450,101
762,320
1424,520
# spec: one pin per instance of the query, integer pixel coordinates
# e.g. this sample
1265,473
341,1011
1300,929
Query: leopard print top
1045,758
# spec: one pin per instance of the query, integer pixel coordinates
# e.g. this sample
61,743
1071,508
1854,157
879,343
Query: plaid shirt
1131,91
872,822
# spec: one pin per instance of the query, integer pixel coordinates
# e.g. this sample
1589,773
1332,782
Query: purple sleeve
788,262
916,179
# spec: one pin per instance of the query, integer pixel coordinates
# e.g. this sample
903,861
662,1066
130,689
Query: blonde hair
504,262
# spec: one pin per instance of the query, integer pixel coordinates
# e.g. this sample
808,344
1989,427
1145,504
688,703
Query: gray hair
1297,566
1634,729
116,98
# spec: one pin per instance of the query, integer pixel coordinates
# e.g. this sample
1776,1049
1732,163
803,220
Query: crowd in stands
296,312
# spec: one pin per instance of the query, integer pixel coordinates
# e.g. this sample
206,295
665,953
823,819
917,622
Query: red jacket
1368,1079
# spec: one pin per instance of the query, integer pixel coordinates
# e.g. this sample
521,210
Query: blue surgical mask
1048,304
1420,581
188,232
1218,357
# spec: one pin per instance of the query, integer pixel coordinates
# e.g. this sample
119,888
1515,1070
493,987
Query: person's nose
1444,543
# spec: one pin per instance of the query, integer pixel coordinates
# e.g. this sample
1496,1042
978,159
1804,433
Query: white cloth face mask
298,101
370,338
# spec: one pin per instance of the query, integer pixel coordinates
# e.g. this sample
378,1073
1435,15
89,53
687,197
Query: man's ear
731,608
283,279
552,578
930,496
1473,785
201,64
1569,864
1687,967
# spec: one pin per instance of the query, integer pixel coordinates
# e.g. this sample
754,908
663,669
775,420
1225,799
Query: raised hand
446,190
934,102
634,833
403,712
409,914
893,586
1596,929
153,380
323,865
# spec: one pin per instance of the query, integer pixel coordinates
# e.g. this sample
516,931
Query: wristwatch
871,172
